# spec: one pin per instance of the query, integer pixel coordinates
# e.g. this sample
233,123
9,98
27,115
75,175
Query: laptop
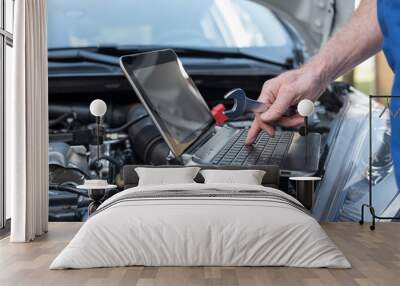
188,127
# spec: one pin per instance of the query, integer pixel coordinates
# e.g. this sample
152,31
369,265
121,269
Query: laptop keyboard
266,150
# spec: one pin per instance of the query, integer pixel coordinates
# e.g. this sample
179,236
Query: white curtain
27,123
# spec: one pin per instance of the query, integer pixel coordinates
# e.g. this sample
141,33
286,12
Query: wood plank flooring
375,257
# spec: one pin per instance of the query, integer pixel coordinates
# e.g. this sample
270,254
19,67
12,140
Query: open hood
314,20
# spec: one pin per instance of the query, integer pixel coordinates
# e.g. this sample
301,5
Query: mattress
201,225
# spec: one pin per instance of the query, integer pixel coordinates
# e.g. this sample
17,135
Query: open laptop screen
170,96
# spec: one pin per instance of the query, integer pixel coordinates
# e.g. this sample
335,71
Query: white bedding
188,231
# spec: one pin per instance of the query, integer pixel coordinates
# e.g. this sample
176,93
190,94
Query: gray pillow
166,176
243,177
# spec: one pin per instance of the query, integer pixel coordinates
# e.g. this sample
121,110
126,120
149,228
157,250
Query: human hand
282,92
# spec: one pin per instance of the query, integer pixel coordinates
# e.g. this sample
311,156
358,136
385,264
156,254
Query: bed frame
271,177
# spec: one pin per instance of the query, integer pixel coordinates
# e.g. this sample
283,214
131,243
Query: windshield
177,23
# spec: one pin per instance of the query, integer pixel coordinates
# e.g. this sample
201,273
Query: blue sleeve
381,18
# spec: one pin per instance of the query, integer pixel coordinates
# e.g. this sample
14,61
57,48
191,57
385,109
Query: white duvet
203,231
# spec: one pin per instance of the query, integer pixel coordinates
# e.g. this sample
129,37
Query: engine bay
128,136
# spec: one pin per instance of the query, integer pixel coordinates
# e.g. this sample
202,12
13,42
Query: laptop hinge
202,139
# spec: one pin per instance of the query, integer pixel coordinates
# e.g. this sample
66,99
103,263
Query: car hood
314,20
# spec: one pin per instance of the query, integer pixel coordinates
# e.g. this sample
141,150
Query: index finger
277,108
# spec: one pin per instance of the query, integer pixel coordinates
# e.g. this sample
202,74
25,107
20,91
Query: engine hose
126,125
68,189
115,115
107,158
60,119
145,137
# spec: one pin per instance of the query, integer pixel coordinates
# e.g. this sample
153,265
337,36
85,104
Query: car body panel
314,20
345,184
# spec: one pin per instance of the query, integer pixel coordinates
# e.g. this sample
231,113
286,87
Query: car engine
128,136
73,152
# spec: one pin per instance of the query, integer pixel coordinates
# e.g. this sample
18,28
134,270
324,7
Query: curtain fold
27,123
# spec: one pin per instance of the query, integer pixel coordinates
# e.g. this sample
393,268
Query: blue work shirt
389,21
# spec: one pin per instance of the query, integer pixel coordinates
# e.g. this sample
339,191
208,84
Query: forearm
358,40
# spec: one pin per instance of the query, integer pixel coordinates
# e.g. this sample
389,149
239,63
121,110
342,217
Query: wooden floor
375,257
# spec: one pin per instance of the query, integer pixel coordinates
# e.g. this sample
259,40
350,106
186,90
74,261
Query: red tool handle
218,114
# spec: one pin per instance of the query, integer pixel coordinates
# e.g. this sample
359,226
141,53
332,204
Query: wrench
243,105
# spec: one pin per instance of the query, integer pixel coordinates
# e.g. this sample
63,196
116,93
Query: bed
198,224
